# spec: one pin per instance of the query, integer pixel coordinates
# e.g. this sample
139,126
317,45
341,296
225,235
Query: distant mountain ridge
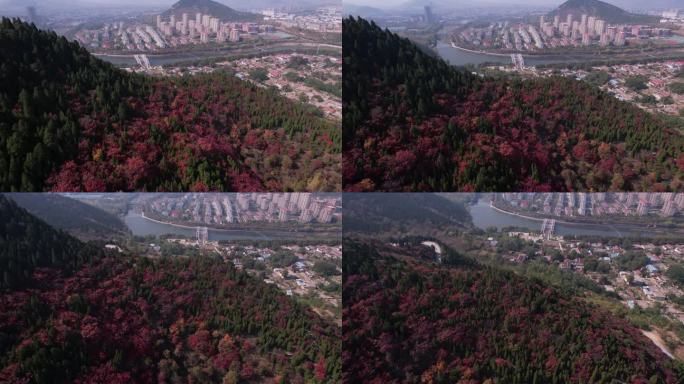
278,4
362,10
27,243
77,218
370,212
210,7
606,11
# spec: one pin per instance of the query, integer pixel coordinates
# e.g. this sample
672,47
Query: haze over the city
18,7
388,4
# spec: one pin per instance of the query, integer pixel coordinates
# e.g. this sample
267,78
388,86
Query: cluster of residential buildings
276,67
206,28
299,278
641,287
657,97
224,208
649,285
168,32
574,31
660,76
592,30
644,286
323,19
280,76
596,204
672,15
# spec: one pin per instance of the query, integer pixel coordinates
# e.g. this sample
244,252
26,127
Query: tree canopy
412,122
71,122
406,319
70,312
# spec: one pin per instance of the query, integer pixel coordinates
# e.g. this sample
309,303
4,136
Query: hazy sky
636,4
52,3
20,5
38,3
394,3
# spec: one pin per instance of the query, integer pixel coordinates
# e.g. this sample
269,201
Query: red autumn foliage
458,321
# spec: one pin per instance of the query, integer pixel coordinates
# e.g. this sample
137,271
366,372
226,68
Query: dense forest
71,313
27,244
407,319
71,215
71,122
413,122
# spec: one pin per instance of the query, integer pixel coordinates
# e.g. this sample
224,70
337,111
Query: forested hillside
124,319
27,243
71,215
413,122
71,122
410,320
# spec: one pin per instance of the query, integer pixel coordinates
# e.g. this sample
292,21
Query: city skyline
226,208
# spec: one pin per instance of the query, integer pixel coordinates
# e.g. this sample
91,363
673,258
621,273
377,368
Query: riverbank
142,214
240,50
579,54
170,58
246,227
542,218
464,56
146,226
589,221
485,215
453,45
491,204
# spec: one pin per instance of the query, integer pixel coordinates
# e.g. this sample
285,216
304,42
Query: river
178,57
485,216
457,56
161,59
169,58
141,226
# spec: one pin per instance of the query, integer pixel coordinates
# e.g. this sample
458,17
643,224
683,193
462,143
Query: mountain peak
606,11
210,7
196,3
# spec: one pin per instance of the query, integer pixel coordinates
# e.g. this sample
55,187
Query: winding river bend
484,216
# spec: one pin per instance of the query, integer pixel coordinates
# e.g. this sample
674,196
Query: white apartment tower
234,35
